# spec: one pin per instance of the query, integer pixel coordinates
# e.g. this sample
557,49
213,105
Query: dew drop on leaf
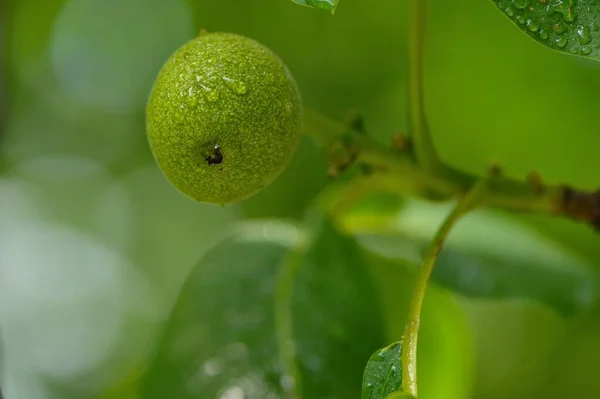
583,34
533,25
559,28
561,41
565,9
520,4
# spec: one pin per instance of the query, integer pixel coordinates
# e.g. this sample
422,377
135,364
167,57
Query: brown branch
394,170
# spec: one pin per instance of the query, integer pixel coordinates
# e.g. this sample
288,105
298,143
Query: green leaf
127,388
383,373
222,334
122,85
170,233
325,5
569,26
487,255
336,316
530,334
572,364
219,339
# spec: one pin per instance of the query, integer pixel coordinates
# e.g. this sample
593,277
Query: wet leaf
170,233
336,316
569,26
487,255
383,373
325,5
220,337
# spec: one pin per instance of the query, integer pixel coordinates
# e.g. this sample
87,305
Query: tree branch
396,172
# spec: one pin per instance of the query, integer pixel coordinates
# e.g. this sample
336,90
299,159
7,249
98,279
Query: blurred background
95,243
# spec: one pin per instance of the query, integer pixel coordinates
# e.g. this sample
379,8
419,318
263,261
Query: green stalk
424,149
411,331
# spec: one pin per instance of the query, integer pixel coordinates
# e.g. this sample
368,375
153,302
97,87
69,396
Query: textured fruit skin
224,118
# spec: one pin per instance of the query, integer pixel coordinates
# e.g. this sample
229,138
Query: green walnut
224,118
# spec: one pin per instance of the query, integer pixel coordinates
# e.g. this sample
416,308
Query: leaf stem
411,331
283,318
424,149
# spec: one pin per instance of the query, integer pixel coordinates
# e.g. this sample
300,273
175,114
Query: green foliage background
95,245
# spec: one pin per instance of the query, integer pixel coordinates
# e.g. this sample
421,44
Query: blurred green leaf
54,127
487,255
577,237
221,333
383,373
575,359
219,339
569,26
126,389
28,25
171,232
81,44
336,316
515,343
325,5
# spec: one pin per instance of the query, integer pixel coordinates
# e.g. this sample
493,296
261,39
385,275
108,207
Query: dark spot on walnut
215,157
